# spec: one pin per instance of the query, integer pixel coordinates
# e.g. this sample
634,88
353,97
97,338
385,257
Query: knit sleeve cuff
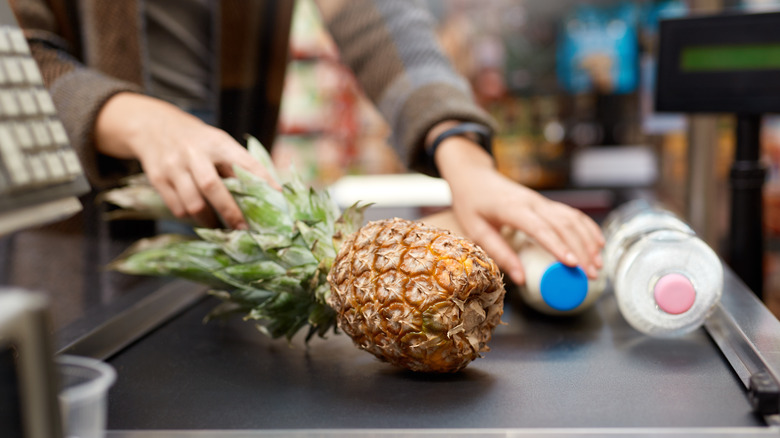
79,96
427,107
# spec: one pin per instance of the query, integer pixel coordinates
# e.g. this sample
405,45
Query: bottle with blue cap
666,280
550,286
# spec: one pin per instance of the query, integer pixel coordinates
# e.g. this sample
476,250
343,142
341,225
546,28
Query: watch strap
477,132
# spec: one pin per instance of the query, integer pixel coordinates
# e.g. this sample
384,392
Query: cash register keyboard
37,162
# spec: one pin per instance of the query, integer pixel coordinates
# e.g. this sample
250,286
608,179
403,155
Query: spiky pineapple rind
429,305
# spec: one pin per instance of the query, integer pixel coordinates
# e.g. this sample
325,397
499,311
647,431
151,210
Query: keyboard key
31,72
38,169
45,102
56,167
13,159
72,163
40,134
8,105
23,135
18,41
58,133
5,43
13,69
27,102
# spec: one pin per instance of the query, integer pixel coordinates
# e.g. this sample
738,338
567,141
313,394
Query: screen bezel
741,91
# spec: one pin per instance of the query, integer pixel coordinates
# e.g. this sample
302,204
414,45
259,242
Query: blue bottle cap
563,287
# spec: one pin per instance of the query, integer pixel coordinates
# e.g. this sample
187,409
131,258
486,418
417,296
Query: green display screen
732,57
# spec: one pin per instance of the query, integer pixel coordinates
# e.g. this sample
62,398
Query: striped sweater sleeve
392,48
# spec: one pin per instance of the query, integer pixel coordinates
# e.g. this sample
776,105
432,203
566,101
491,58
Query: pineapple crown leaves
276,271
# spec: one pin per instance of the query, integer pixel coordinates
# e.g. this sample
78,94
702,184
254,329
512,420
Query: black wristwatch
475,132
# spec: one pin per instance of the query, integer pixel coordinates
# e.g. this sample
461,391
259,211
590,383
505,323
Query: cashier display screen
10,402
720,64
737,57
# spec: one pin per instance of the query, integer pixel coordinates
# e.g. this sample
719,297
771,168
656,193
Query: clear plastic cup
84,395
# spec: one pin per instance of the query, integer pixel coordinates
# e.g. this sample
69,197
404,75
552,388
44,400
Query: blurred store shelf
392,190
614,166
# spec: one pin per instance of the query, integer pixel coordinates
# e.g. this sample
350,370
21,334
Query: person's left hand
484,201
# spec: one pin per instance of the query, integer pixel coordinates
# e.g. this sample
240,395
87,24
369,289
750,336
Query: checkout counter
588,375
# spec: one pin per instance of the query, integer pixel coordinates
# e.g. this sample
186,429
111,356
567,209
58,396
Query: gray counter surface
592,374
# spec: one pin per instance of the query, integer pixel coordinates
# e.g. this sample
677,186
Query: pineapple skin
416,296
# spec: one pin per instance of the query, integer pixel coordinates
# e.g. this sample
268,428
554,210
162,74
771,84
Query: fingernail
242,226
598,261
570,259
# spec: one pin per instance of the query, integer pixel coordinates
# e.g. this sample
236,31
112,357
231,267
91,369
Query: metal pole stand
746,236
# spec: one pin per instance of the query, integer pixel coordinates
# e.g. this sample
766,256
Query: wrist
472,141
456,156
116,125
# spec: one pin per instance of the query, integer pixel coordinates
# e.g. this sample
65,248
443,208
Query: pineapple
413,295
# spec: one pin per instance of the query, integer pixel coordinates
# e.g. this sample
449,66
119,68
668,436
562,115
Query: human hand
183,157
484,201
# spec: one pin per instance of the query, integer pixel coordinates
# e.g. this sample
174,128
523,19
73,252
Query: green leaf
249,273
238,244
316,239
297,200
349,222
281,284
270,242
263,215
259,152
321,319
321,293
265,208
323,208
170,255
295,256
136,202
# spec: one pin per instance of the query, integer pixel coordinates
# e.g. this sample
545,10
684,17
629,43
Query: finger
596,232
213,189
194,203
232,153
592,234
577,237
501,252
165,188
520,214
545,235
571,226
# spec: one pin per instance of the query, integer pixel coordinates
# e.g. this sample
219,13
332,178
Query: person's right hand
183,157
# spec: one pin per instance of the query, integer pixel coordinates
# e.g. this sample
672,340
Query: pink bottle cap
674,293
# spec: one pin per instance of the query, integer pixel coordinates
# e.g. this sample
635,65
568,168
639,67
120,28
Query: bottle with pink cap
665,278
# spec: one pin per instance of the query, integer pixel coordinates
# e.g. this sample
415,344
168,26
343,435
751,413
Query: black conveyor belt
591,371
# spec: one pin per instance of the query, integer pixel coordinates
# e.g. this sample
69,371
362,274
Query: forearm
457,155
